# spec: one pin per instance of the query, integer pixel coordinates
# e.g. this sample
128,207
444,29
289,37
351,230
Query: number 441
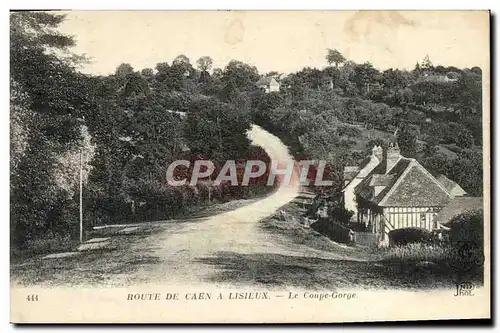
32,298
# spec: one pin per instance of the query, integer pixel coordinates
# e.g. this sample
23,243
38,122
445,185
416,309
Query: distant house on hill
389,191
440,78
181,114
268,84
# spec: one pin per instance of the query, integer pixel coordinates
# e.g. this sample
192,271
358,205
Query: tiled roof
407,184
364,188
265,81
381,180
457,206
363,169
417,188
447,182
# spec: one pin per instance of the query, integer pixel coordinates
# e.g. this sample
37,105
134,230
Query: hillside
336,113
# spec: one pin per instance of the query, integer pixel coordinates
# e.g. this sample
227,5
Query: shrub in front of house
466,237
404,236
467,227
340,214
333,230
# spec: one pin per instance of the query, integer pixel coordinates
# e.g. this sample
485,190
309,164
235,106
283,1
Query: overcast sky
281,41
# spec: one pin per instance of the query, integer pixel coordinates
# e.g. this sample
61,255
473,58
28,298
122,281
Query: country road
230,249
236,232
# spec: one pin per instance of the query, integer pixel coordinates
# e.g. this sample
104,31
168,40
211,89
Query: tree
239,75
48,97
21,117
181,60
407,140
147,73
310,77
162,68
438,163
464,139
204,63
469,92
467,170
273,74
237,79
334,57
394,79
217,130
426,63
135,84
124,70
364,75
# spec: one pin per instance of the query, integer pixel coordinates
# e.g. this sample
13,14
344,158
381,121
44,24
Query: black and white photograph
290,160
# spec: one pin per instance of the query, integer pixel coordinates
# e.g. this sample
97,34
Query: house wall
274,86
373,223
349,195
406,217
392,218
265,88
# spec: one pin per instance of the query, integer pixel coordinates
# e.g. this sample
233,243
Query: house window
423,220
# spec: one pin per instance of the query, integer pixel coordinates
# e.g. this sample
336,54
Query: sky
279,41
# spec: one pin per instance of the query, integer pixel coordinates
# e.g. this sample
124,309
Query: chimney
392,156
378,152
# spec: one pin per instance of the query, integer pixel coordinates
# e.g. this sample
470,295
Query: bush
44,243
467,227
404,236
349,131
332,230
340,214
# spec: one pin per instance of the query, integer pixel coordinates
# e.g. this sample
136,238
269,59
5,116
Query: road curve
235,231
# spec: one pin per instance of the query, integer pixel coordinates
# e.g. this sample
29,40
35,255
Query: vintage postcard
249,166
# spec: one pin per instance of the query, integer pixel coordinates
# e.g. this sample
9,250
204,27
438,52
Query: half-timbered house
393,192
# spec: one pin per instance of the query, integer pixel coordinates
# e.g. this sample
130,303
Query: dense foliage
132,124
129,125
405,236
467,227
339,113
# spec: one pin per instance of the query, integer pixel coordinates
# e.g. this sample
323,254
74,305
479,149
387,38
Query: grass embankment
54,243
413,266
447,260
288,222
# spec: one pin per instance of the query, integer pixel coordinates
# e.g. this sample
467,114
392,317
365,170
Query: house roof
265,81
458,206
364,188
180,113
407,184
448,183
381,180
416,187
350,172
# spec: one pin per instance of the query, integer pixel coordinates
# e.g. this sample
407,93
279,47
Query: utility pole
81,196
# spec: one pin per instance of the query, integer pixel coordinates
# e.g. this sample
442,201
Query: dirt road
235,232
192,251
235,249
